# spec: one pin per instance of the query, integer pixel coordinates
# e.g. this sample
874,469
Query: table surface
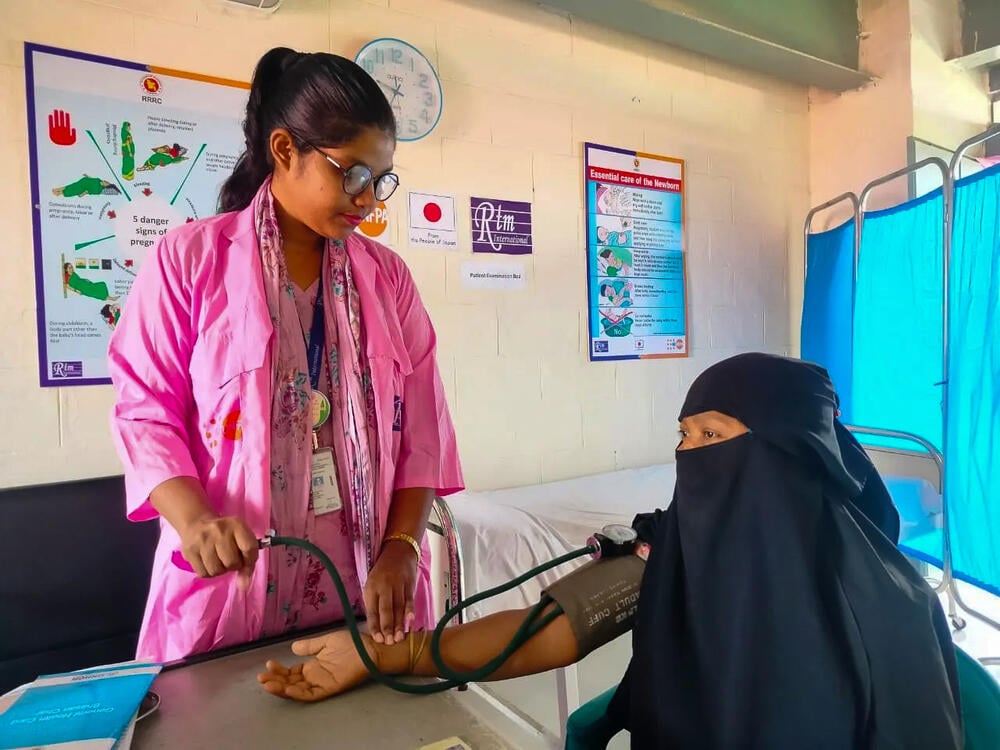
219,704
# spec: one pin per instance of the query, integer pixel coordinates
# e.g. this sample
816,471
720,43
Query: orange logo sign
376,223
151,85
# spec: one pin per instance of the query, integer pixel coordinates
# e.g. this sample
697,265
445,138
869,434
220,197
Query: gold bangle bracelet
401,537
420,652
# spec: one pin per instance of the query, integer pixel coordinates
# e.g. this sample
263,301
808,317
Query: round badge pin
320,409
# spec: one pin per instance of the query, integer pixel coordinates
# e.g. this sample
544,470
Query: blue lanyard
317,338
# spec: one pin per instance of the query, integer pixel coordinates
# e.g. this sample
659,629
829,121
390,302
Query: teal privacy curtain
972,480
898,321
826,332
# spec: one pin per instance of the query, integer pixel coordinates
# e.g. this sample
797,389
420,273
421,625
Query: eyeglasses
359,177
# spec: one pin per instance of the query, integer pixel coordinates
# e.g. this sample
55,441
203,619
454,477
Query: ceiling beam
683,29
984,58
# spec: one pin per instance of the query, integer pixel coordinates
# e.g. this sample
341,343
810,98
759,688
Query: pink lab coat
191,366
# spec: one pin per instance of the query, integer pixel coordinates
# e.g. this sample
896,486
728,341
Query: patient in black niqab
776,612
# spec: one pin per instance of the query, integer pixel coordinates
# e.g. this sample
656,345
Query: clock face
408,81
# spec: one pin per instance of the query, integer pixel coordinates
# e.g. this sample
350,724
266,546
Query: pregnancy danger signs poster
121,153
635,254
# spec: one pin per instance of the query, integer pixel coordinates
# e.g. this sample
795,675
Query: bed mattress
507,532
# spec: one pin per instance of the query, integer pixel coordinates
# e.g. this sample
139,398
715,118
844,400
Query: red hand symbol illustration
61,130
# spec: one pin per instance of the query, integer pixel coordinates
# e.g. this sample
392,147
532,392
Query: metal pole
956,159
946,192
947,582
453,539
929,161
855,208
972,142
852,198
870,187
456,571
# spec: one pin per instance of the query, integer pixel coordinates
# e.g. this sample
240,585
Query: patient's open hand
335,668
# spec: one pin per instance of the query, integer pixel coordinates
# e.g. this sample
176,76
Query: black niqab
776,612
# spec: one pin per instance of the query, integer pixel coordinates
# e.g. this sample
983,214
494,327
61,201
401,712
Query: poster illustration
635,254
500,226
121,153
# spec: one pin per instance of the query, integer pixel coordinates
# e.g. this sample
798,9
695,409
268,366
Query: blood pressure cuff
600,599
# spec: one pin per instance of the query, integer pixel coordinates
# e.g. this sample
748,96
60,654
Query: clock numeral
425,81
379,57
397,56
369,66
413,127
429,99
425,116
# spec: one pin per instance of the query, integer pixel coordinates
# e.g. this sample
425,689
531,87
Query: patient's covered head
787,407
774,397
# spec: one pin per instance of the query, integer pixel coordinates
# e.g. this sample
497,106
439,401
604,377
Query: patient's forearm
468,647
599,601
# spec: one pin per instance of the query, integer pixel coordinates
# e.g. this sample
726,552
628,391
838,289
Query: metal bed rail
442,523
935,455
948,584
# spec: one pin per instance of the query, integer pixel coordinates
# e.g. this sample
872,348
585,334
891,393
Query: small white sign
479,274
432,221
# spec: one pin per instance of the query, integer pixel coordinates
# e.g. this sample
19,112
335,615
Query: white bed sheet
507,532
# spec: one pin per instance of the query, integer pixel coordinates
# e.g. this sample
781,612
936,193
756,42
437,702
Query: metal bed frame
945,585
442,523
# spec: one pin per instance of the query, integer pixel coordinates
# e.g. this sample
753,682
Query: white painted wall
523,89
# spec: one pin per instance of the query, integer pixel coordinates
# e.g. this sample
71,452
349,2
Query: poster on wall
502,227
121,152
635,254
432,221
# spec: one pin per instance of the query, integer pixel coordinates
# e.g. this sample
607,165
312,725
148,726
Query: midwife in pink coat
274,369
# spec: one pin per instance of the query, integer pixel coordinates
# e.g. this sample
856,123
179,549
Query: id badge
324,490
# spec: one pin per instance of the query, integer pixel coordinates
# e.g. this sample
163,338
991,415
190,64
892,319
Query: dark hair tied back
320,98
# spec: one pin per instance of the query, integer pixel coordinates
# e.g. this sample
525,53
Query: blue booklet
91,709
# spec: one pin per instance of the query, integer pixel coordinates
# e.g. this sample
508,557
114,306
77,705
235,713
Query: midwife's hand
389,593
214,545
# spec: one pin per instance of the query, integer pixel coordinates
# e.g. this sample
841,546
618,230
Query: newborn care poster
121,152
635,254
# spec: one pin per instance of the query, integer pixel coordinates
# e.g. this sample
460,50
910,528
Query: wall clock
408,81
